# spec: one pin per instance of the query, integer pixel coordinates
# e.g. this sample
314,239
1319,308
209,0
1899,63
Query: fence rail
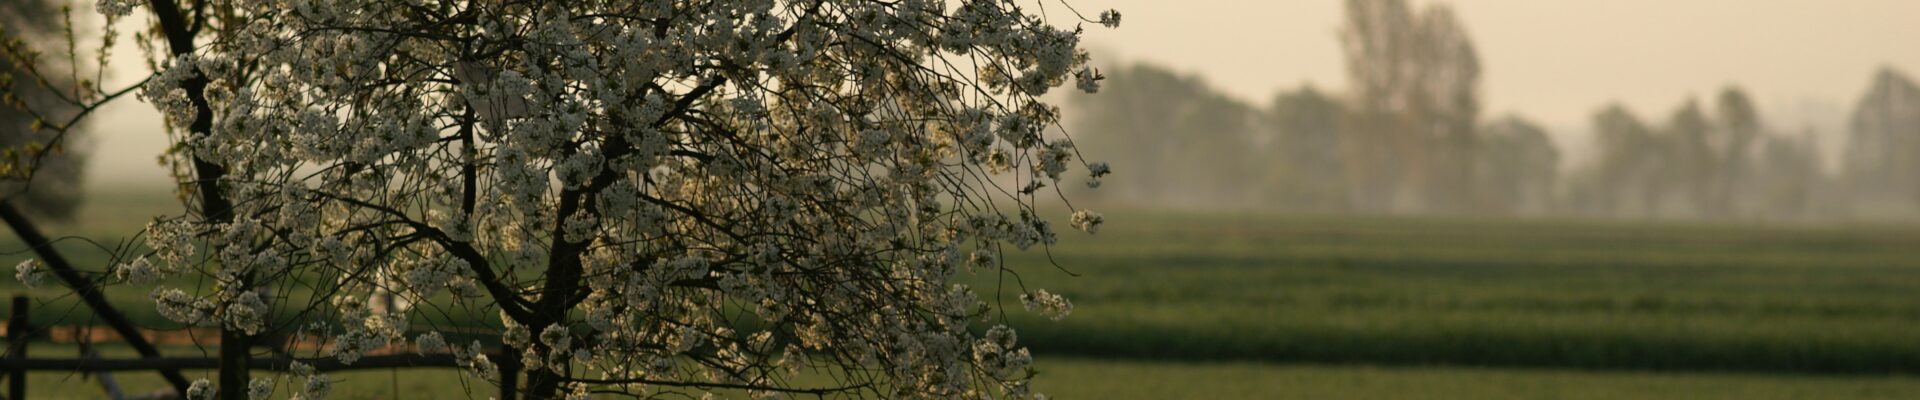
84,288
19,331
275,364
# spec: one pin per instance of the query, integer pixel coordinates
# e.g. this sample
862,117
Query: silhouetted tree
1791,167
1517,167
1308,172
1738,132
1183,142
1623,180
1882,161
1415,81
1690,160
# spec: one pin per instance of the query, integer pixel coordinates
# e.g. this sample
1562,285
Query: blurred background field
1244,305
1418,291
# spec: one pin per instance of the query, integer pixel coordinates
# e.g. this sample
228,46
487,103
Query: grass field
1562,294
1198,305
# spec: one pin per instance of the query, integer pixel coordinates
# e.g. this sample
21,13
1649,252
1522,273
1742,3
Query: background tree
43,161
1737,136
1518,167
1308,172
1415,81
1689,159
1626,166
1189,145
1791,167
1883,144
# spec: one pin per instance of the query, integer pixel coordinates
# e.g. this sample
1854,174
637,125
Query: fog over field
1748,111
1556,61
1805,64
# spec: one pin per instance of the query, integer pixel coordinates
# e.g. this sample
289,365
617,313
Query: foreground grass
1079,378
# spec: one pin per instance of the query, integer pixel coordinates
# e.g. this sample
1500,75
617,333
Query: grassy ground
1471,292
1195,305
1070,378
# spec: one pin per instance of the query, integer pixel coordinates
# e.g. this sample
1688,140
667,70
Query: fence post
18,331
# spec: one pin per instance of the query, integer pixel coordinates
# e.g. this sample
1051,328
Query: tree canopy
651,196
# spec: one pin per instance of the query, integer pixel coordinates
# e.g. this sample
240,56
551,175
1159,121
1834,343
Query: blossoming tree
652,196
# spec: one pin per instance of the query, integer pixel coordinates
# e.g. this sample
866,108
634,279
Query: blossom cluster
313,385
29,272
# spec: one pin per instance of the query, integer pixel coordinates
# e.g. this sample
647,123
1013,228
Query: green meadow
1434,291
1211,305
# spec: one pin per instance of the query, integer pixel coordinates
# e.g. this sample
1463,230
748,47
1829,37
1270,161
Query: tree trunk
214,207
542,385
234,364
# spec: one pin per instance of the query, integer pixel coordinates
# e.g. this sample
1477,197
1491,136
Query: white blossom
201,389
317,387
579,391
485,368
178,306
139,272
246,312
260,388
1047,304
1088,221
115,8
1095,171
171,241
1088,80
300,368
1110,18
29,272
430,342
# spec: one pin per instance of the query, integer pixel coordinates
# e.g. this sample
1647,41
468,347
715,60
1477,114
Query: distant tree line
1881,168
1719,163
1409,137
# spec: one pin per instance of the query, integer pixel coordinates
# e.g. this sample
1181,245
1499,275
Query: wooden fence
20,331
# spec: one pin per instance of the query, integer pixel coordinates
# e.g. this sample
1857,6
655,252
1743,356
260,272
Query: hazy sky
1555,60
1805,61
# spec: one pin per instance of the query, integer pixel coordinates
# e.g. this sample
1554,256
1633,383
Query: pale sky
1805,61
